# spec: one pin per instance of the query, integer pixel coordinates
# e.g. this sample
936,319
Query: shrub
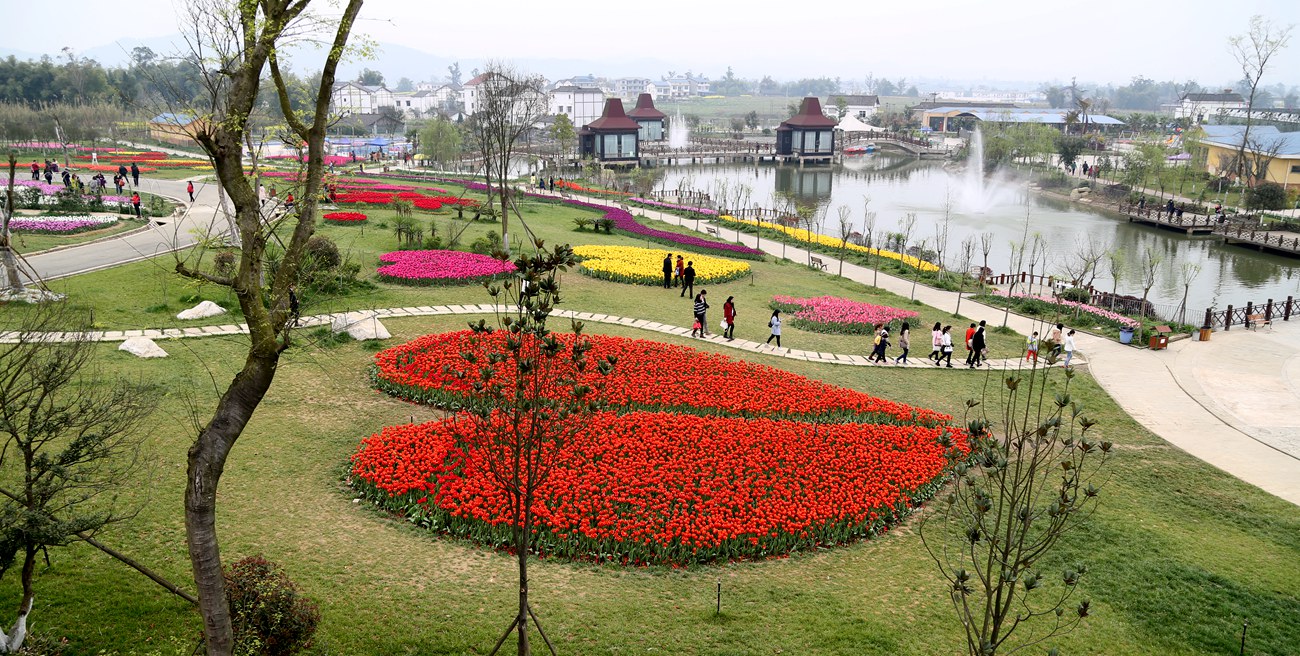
324,252
1076,294
582,222
269,614
487,244
1266,196
604,225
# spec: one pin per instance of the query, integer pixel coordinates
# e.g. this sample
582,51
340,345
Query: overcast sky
1095,40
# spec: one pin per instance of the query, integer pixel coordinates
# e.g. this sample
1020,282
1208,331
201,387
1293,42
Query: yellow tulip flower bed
808,236
645,266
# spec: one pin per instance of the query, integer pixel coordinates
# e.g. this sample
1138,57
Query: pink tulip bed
439,267
839,316
1029,304
673,207
60,225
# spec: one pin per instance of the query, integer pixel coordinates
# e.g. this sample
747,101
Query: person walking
701,308
135,175
1069,347
904,342
775,324
135,201
36,171
936,342
688,279
945,347
979,347
1055,338
288,202
293,307
729,317
261,194
679,270
49,176
189,188
67,180
1031,348
880,343
970,351
122,173
552,181
668,271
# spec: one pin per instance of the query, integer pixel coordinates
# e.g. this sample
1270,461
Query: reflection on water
901,185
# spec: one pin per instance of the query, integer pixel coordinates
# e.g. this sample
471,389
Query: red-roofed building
650,119
809,133
612,137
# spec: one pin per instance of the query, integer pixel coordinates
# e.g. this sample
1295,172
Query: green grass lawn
1179,553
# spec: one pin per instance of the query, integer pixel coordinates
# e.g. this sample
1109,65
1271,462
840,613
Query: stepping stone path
366,325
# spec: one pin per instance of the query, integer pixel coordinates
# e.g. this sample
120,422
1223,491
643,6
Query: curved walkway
440,310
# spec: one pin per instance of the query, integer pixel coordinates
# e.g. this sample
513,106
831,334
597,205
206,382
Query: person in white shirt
1069,346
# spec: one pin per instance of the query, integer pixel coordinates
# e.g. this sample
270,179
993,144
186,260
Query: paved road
165,235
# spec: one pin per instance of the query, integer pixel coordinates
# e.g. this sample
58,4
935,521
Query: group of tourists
542,183
98,183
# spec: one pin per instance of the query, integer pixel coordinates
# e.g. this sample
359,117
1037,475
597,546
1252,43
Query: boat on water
862,149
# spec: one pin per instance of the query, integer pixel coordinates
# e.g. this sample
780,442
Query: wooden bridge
1275,241
918,147
1158,216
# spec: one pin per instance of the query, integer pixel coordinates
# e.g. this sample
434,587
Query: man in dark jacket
688,280
668,271
135,175
977,344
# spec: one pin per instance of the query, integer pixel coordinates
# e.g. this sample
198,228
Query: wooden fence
1231,316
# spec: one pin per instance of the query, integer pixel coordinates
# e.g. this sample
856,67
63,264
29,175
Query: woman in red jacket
729,315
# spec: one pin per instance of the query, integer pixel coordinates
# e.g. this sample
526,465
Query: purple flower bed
60,225
439,267
673,206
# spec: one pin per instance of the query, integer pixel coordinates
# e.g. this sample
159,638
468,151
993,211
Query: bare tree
966,256
869,232
941,232
234,45
845,216
1037,254
510,103
1015,263
1253,52
916,274
532,394
1151,261
1013,498
986,247
1191,271
68,442
8,259
1115,267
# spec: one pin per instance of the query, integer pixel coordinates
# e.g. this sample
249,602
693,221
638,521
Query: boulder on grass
360,326
202,310
142,347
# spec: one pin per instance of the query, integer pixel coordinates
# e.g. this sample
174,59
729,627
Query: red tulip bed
440,267
345,217
697,458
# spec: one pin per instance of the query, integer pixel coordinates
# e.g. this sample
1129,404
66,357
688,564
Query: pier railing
1283,241
1240,316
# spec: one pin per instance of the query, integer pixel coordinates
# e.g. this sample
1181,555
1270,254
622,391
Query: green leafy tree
1032,477
440,141
563,134
370,78
751,120
1069,148
1266,196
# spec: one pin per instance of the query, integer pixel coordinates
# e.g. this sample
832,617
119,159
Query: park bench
712,230
1254,321
817,262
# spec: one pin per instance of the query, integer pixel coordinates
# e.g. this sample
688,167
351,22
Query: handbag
947,349
723,325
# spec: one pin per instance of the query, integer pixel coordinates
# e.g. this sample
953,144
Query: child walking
1031,348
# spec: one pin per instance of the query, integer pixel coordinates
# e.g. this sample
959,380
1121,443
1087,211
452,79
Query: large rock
360,325
142,347
202,310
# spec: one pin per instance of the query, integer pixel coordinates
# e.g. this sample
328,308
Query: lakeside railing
1277,240
1240,316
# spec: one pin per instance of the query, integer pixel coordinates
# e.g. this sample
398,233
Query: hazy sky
1095,40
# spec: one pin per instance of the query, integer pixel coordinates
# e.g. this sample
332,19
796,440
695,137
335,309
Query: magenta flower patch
439,267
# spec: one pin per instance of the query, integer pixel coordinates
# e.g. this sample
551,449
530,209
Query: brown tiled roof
613,118
810,116
645,108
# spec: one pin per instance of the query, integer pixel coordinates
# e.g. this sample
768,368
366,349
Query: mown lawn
1179,553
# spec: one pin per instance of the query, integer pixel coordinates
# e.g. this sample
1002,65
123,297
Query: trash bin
1125,335
1205,334
1158,342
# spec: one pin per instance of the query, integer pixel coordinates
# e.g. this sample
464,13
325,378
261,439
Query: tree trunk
7,259
207,458
521,622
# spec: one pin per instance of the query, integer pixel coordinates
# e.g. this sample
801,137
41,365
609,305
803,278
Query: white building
582,105
415,103
471,94
1200,107
360,99
685,86
863,107
631,87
